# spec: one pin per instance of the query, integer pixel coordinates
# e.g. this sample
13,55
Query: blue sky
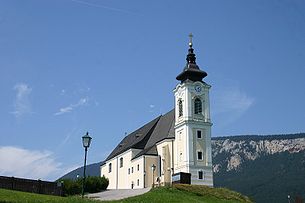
109,66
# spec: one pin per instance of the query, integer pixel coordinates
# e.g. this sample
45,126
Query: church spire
191,71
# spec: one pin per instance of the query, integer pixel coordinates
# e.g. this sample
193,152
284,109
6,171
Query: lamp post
153,168
288,198
86,143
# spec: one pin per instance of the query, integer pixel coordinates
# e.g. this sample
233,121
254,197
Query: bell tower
193,153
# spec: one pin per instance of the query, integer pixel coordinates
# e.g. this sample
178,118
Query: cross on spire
191,39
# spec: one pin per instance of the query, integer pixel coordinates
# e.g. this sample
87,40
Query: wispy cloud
230,103
101,6
22,104
151,108
25,163
71,107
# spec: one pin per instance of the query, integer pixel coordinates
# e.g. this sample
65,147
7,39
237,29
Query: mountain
266,168
91,170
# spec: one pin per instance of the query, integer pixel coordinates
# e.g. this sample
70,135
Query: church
174,147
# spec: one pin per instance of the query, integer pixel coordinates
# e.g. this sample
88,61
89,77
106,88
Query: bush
92,184
72,187
96,184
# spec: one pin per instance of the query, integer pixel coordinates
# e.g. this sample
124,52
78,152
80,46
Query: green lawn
178,194
188,193
10,196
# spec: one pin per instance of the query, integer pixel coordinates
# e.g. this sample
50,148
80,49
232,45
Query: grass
176,194
187,193
11,196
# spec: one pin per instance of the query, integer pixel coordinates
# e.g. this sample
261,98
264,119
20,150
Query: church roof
148,151
147,136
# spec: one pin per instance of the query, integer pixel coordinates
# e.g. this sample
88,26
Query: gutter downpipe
173,172
144,173
117,173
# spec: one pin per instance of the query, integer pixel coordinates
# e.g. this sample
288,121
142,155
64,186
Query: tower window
128,171
109,168
138,167
198,106
180,108
199,136
131,169
138,182
121,162
200,175
199,155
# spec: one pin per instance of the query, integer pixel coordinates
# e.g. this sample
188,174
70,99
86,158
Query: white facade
133,174
193,132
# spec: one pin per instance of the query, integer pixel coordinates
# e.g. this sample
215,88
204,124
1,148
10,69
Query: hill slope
91,170
178,194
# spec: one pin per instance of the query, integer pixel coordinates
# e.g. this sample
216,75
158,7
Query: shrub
92,184
71,187
96,184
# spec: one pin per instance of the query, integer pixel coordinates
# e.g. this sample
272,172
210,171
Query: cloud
71,107
230,103
22,104
62,92
151,108
101,6
25,163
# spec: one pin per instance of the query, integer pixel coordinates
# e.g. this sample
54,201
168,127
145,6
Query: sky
109,66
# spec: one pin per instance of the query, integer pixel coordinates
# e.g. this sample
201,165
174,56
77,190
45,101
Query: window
131,169
199,134
199,155
138,182
128,171
198,106
180,108
121,162
200,175
138,167
180,156
109,168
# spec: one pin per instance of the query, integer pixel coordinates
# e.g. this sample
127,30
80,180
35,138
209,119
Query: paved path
117,194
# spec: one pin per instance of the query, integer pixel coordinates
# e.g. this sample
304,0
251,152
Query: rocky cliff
248,148
266,168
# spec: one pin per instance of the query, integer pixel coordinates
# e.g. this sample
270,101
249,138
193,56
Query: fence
34,186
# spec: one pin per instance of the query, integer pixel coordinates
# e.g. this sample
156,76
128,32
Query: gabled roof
136,139
147,136
164,129
149,151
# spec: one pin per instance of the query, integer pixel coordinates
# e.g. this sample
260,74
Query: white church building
172,145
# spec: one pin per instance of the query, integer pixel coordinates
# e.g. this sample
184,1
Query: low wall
33,186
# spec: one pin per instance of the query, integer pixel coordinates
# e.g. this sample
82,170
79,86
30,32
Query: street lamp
153,168
86,143
288,198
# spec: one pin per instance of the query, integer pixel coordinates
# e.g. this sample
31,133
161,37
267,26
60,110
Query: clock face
198,88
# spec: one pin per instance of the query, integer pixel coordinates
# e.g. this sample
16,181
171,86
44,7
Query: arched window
198,106
121,162
180,108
